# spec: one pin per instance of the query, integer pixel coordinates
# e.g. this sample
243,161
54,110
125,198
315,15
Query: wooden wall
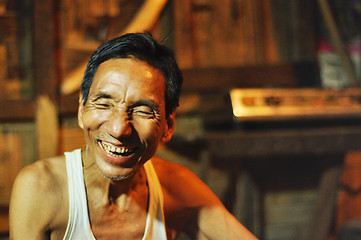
42,40
212,33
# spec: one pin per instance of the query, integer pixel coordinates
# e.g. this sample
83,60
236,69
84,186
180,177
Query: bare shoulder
43,175
172,171
183,185
37,196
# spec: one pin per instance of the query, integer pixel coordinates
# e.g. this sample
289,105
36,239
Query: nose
119,126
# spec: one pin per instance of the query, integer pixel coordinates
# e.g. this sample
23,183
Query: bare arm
30,213
214,221
193,201
218,223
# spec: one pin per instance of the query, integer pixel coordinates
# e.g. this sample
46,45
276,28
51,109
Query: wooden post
45,75
324,209
47,127
345,59
218,33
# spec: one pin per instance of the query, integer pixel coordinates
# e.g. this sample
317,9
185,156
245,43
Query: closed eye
102,100
143,111
103,103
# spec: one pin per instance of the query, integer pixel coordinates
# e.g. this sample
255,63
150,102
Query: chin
116,173
119,177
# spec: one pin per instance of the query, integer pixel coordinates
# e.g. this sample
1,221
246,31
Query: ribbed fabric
78,227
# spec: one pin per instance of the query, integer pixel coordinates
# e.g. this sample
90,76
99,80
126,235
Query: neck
131,189
128,185
107,192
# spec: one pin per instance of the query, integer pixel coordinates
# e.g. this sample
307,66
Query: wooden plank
4,220
68,104
304,30
3,69
8,32
47,128
292,28
218,33
45,49
255,144
247,203
10,163
3,62
71,138
280,75
25,50
324,209
334,32
183,31
348,206
46,75
270,47
248,32
17,110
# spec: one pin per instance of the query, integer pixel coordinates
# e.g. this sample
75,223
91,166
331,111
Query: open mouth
115,151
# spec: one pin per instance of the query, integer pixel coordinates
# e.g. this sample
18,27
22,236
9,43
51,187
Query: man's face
124,117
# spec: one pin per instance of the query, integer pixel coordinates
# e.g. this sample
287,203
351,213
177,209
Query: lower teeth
112,154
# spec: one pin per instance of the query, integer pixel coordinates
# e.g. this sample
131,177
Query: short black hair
144,47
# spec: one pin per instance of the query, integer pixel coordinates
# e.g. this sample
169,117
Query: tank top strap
155,227
78,221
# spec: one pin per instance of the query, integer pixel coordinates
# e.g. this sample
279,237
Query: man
115,188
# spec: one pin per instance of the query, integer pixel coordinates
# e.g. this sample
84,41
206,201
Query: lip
123,156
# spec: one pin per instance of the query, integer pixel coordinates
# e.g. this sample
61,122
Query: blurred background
270,113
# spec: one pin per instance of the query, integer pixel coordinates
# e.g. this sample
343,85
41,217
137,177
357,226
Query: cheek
148,130
149,135
93,119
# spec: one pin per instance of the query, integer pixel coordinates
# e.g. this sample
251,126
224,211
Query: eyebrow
101,95
149,103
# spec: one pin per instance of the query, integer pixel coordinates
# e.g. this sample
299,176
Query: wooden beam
321,222
45,51
304,74
17,110
344,57
47,128
282,142
68,104
46,76
4,220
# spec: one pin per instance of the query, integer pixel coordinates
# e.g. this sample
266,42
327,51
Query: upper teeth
113,149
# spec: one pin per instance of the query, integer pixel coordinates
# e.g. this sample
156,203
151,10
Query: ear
168,133
80,112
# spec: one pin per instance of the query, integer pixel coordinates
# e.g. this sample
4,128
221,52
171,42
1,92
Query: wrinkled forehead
131,67
128,74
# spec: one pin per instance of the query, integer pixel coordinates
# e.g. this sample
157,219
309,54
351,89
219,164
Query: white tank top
78,227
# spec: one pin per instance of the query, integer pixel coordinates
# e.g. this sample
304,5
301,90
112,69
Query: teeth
112,149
